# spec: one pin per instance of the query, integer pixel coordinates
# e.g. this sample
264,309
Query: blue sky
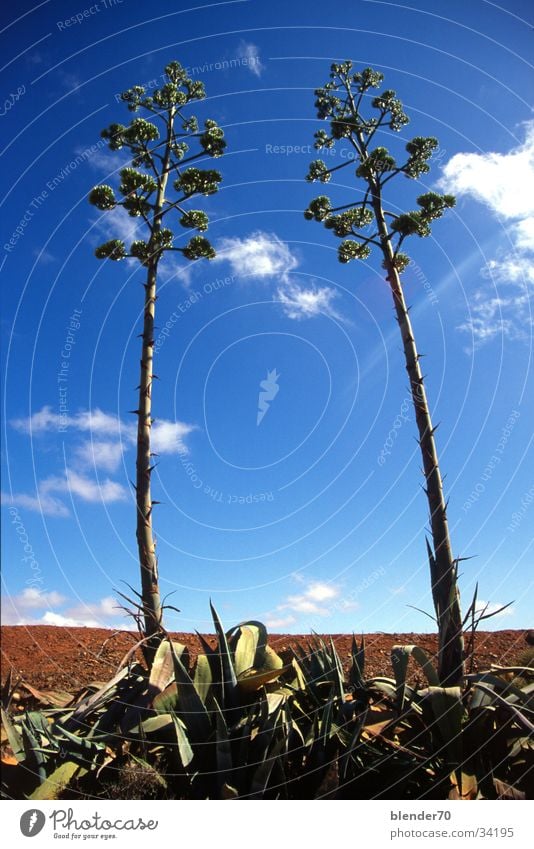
310,515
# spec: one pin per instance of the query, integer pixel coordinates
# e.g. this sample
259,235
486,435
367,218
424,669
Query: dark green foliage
103,197
197,248
349,250
193,181
194,219
114,249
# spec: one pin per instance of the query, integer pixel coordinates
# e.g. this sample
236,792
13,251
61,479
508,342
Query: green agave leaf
400,656
518,714
108,692
259,629
184,747
358,663
167,700
229,792
254,679
507,689
261,776
56,782
228,675
190,706
55,698
162,671
448,710
245,649
272,660
384,685
13,736
33,755
223,748
88,746
203,676
157,723
338,672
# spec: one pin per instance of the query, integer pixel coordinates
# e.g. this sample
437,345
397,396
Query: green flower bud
198,248
318,171
349,250
103,197
195,219
319,209
114,249
195,181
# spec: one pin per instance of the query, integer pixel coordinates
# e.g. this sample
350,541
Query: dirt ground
49,657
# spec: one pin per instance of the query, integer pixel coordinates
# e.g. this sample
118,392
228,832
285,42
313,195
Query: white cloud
106,607
117,224
321,592
33,599
91,421
504,182
299,302
101,455
168,437
88,489
61,621
258,256
263,256
113,438
104,160
309,602
250,54
44,504
32,607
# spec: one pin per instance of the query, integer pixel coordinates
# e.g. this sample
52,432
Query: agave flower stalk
342,101
159,150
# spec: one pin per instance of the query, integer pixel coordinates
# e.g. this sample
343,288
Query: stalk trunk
443,566
152,611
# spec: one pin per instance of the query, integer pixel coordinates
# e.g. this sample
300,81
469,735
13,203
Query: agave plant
239,723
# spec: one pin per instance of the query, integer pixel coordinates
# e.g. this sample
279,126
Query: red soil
48,657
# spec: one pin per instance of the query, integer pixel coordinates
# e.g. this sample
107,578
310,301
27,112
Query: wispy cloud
35,607
315,599
33,599
94,421
88,489
259,256
32,607
101,455
264,257
117,224
105,439
504,182
300,302
169,437
250,53
45,504
105,161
